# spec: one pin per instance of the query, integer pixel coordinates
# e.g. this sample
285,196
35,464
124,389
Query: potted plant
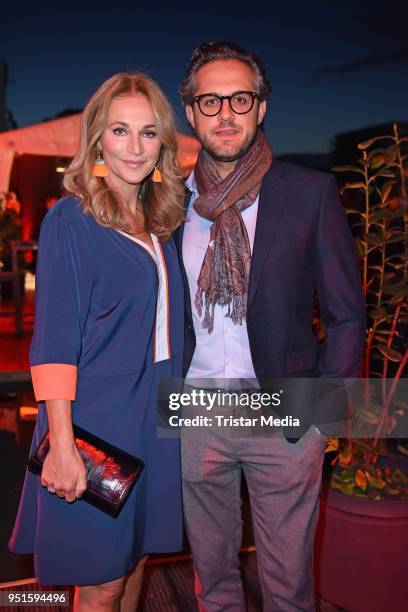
361,546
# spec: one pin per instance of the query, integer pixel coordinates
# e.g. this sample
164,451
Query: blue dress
96,298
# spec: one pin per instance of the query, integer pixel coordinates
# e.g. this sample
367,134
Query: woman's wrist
62,440
60,424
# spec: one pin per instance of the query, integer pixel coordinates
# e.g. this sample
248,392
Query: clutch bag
110,472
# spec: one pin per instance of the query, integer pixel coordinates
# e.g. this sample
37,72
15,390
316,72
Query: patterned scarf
224,275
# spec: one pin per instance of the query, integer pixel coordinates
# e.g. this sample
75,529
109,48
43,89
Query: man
261,237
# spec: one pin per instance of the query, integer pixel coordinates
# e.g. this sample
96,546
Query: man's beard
234,153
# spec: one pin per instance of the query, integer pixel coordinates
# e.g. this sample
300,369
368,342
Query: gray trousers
284,482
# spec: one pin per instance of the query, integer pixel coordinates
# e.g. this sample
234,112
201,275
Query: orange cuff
54,381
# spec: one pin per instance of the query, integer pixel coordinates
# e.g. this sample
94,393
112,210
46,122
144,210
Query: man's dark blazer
302,245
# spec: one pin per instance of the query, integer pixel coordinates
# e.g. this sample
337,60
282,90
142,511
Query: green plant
379,219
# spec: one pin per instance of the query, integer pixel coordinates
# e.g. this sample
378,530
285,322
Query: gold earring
157,176
99,167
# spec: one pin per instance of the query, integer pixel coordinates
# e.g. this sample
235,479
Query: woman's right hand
64,471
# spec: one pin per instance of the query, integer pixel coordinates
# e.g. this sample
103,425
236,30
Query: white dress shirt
225,352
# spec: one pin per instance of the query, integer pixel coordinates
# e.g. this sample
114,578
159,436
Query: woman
109,325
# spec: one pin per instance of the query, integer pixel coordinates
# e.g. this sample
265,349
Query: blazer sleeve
63,291
339,288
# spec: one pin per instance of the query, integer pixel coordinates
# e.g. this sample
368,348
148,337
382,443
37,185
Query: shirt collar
191,183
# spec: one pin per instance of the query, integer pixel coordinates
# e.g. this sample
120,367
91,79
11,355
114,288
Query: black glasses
241,102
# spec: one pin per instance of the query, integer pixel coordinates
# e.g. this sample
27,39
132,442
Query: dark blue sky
334,67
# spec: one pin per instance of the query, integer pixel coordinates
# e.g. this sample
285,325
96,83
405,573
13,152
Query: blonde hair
162,202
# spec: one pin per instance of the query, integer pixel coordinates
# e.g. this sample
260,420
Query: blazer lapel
178,238
272,198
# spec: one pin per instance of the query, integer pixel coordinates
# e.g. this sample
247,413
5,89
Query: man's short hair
222,50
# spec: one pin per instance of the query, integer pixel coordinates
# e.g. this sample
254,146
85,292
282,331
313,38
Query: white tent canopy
60,138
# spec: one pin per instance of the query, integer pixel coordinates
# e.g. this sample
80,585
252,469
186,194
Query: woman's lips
133,164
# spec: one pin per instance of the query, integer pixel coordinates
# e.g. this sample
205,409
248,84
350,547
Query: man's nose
226,112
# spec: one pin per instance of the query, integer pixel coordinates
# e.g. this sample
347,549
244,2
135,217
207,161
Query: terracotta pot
361,553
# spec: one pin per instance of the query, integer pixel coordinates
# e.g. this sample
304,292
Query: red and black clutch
110,472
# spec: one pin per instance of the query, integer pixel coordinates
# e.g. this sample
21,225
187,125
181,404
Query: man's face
227,135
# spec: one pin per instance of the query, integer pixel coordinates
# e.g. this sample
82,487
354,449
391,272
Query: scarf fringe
237,304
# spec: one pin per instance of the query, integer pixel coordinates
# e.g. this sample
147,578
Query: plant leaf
399,291
377,483
392,490
395,233
356,224
347,489
332,445
361,480
386,189
399,476
360,247
389,352
377,151
375,239
382,173
382,213
345,459
379,268
357,185
377,161
396,299
347,169
391,153
368,143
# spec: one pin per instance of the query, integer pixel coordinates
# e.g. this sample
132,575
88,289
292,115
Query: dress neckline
143,244
162,325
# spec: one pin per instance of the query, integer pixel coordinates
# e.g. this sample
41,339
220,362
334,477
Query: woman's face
130,142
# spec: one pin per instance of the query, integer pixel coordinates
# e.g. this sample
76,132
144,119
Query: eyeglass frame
197,99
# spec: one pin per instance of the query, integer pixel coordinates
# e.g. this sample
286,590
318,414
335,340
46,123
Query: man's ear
190,115
261,111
